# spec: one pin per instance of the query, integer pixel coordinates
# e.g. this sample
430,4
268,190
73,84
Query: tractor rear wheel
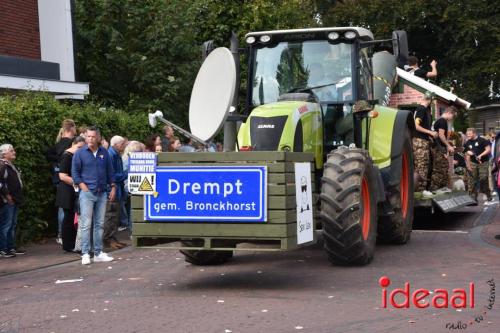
204,257
348,207
396,228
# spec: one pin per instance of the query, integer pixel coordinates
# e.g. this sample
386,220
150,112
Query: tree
462,35
145,54
137,54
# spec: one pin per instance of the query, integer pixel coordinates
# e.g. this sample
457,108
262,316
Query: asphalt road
148,290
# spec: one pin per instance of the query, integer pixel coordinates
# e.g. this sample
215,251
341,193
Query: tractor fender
392,173
377,175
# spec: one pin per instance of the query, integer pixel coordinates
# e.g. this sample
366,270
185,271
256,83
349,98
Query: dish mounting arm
159,115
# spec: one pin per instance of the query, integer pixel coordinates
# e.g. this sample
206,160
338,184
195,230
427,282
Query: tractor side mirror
400,47
206,48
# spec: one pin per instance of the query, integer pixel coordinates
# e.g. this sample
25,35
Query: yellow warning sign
146,186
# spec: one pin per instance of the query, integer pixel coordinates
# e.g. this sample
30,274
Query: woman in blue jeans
11,196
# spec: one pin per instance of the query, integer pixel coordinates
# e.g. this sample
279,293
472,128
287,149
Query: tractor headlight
250,40
350,35
264,38
333,35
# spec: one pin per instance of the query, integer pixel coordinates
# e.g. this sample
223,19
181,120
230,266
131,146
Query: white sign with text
142,173
303,197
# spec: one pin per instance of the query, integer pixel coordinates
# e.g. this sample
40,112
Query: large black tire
204,257
348,207
396,228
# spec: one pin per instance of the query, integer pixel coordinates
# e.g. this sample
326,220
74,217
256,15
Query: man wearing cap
421,141
477,153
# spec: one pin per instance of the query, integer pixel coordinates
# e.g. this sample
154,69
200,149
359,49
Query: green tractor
320,91
324,91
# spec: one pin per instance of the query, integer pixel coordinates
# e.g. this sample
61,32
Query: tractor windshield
310,66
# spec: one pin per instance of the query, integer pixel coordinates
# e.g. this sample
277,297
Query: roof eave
427,86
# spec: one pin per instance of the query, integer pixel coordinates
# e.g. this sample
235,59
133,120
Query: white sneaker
59,240
103,257
85,259
427,194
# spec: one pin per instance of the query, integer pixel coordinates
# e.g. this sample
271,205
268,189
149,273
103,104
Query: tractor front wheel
204,257
349,207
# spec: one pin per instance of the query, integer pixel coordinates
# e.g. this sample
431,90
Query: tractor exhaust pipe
384,76
230,126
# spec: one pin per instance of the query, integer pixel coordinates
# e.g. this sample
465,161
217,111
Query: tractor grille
265,133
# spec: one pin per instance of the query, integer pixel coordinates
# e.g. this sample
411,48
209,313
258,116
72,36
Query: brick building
410,88
36,48
486,118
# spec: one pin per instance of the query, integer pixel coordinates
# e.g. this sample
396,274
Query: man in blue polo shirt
92,171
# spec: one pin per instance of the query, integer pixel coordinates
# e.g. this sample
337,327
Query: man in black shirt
442,150
417,71
477,151
421,144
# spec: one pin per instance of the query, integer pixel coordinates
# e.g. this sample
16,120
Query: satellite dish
212,94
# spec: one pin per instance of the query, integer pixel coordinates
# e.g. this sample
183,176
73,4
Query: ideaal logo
458,298
441,298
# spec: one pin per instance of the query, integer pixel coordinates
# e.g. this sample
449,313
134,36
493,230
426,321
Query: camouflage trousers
478,179
440,165
421,154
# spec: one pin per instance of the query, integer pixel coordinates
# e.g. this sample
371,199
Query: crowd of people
90,176
435,155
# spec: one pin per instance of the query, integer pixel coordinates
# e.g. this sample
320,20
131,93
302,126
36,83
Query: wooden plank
289,243
288,189
273,217
281,178
235,156
282,215
245,244
272,167
281,202
256,230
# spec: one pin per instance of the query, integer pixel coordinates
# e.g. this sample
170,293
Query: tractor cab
302,86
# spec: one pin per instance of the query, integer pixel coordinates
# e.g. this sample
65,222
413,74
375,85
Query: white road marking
443,231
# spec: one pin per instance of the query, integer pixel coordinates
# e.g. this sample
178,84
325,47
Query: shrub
30,122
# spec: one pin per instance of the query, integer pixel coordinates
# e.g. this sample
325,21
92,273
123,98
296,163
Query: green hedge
30,122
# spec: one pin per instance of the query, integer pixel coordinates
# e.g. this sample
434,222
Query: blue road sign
209,194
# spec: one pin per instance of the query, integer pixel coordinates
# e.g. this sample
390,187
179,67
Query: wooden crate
279,232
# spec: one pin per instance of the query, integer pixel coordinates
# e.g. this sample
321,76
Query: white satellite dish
212,94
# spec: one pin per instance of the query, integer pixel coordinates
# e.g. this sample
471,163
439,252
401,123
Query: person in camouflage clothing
421,142
442,150
477,150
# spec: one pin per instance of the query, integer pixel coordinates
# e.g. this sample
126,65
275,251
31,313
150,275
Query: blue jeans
92,211
60,219
8,224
